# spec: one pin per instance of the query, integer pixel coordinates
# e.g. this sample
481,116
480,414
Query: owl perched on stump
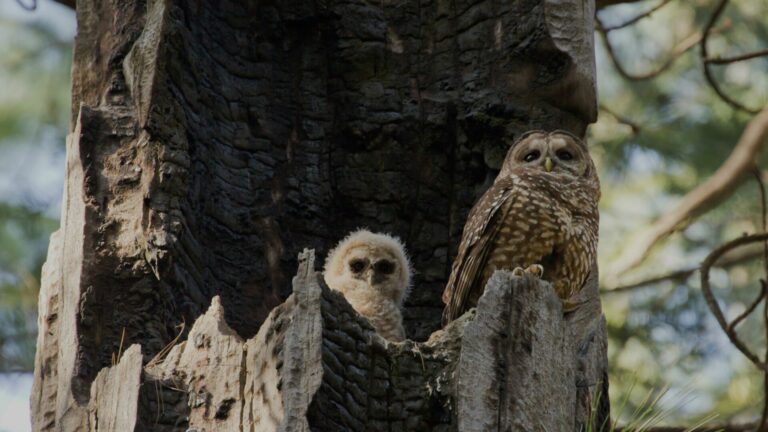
373,273
540,215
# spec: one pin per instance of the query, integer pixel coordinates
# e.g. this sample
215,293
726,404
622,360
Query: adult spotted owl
540,214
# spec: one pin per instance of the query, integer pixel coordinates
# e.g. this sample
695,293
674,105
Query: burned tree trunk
212,141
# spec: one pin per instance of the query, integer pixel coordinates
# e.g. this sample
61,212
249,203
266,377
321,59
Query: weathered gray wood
317,365
303,348
516,370
115,394
52,398
266,383
212,141
312,350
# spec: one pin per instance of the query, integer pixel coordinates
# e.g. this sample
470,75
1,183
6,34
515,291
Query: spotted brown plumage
541,209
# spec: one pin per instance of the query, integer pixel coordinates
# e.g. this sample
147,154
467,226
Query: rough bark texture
317,365
212,141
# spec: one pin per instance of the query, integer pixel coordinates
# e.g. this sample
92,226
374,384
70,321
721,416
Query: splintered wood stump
512,364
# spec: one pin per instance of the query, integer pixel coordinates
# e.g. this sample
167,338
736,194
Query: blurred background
35,58
655,141
659,135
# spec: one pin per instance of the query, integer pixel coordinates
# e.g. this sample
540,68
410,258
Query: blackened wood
212,141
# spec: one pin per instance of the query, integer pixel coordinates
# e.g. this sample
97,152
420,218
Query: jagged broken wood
317,365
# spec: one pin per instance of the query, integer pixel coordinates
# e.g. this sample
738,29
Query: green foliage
34,68
23,243
665,333
34,113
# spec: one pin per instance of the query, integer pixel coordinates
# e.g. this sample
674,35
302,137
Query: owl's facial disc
567,155
556,153
374,266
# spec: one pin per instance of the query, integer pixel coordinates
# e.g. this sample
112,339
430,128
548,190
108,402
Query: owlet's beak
548,165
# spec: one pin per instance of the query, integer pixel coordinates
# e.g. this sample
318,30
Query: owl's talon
518,271
536,270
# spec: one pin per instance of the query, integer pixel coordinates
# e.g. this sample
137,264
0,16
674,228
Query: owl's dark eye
384,267
357,265
564,155
532,156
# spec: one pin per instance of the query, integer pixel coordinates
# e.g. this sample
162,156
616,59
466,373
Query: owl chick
373,273
540,214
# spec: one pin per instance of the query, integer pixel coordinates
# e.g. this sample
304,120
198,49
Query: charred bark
212,141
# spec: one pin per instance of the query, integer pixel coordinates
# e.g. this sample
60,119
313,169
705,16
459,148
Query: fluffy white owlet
541,211
373,273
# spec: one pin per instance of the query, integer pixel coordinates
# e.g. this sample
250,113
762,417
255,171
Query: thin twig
116,356
677,275
726,60
763,213
637,18
621,119
689,42
160,356
120,348
705,55
712,302
727,261
742,316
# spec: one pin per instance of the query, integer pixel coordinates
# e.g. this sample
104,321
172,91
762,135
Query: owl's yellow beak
548,165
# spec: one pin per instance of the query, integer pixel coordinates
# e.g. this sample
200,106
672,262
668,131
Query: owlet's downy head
373,273
558,153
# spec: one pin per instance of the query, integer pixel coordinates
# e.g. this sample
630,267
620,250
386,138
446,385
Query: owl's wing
475,246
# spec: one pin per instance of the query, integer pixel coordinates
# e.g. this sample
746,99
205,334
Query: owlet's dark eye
564,155
532,156
384,267
357,265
